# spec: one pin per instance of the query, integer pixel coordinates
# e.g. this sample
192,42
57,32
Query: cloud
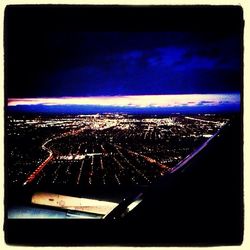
125,63
212,53
209,103
162,101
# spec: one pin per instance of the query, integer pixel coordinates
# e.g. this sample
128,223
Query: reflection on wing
73,203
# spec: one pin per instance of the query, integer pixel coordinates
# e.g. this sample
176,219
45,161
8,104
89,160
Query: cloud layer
143,101
123,63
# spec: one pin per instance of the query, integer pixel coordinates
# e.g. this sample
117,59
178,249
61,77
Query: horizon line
134,101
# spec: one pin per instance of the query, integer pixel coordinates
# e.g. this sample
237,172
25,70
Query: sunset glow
138,101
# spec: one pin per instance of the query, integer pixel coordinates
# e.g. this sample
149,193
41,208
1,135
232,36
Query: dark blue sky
73,62
145,63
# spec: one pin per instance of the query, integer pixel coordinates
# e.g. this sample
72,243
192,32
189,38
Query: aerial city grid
103,149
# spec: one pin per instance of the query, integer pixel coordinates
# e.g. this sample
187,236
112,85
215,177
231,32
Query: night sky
53,52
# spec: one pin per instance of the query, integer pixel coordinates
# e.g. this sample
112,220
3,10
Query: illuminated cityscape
123,125
101,149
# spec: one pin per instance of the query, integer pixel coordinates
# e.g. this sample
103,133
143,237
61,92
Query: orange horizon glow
140,101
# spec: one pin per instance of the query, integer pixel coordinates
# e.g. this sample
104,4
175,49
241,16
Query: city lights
102,149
